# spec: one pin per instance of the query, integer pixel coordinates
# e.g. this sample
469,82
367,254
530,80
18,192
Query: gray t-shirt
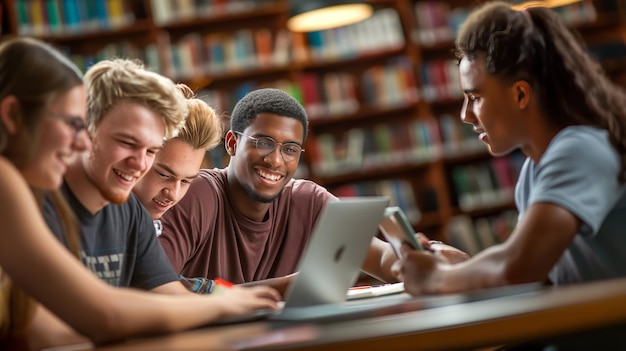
578,172
118,243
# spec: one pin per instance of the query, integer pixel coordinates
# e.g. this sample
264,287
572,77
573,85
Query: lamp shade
545,3
314,15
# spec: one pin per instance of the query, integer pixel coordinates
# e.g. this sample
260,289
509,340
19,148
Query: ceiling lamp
545,3
560,3
314,15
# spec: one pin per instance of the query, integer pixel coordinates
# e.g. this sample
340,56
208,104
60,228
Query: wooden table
541,315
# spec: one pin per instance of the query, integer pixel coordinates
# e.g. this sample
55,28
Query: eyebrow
271,137
70,116
125,135
171,171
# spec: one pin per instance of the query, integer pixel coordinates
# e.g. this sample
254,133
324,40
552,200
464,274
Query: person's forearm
489,268
379,260
47,330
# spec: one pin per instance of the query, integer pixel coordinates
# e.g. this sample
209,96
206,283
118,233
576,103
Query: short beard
112,197
258,198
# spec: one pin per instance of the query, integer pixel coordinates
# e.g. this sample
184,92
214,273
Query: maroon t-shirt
205,236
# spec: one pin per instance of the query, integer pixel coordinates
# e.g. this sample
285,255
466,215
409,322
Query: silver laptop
331,263
336,251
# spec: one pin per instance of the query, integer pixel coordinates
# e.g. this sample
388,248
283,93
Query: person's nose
140,160
275,157
173,191
466,113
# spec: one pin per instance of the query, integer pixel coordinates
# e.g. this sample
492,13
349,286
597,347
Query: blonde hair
202,128
111,81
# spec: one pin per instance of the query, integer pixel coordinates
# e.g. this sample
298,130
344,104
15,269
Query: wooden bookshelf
384,91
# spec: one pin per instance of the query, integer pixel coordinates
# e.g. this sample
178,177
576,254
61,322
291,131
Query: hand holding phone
397,230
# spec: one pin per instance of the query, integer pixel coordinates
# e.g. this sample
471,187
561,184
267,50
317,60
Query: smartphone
397,229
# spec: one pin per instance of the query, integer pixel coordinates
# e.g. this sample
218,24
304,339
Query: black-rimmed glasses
76,123
266,145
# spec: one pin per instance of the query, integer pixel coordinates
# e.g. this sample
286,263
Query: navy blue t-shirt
118,243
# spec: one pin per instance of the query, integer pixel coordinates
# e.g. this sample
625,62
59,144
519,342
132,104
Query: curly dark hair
534,45
267,100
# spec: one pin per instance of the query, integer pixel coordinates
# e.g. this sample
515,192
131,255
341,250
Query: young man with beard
250,223
131,111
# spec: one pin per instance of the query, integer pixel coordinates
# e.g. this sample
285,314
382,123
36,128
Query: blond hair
111,81
202,128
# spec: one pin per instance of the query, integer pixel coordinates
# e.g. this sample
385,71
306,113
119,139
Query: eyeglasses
76,123
266,145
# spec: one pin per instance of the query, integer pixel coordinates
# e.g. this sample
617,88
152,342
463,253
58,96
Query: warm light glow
329,17
559,3
544,3
527,4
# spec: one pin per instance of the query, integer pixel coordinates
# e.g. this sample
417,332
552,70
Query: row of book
380,32
246,49
123,48
438,22
216,54
390,144
486,184
399,192
63,17
390,86
331,94
195,55
168,11
335,94
440,81
223,101
473,235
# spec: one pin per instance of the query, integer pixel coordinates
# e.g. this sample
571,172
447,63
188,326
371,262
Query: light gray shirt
578,172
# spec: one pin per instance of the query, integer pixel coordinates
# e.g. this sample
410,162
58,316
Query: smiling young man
180,159
251,221
131,112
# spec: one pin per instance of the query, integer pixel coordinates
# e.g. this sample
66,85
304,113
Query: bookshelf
382,95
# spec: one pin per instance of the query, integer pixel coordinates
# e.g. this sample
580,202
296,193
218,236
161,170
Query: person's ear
522,92
230,143
9,114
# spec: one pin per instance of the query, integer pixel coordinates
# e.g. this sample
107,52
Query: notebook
331,262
